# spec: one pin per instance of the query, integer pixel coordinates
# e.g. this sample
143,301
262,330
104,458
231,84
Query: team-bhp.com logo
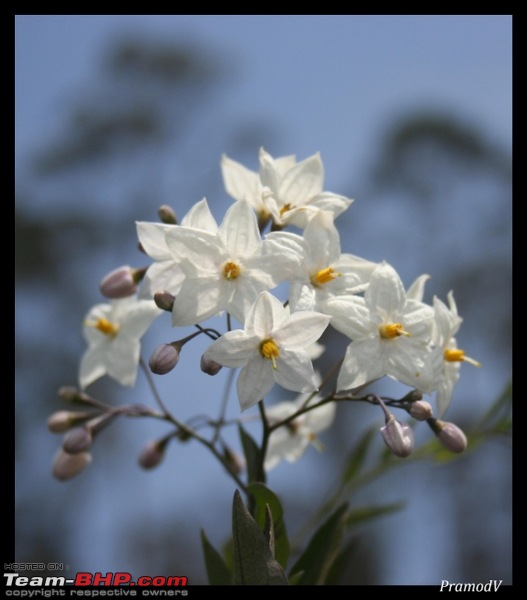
95,579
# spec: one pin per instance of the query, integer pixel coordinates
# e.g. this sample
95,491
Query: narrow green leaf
217,570
358,455
341,564
252,456
366,513
295,579
264,497
322,550
254,563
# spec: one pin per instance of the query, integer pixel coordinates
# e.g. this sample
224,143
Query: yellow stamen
456,355
285,208
324,276
231,270
269,350
104,326
392,330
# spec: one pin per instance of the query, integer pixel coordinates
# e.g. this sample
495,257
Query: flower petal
254,381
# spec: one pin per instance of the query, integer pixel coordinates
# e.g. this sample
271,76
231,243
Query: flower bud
235,461
413,396
77,440
164,300
62,420
421,410
164,358
167,215
69,393
152,454
209,366
398,436
73,395
118,284
451,436
66,466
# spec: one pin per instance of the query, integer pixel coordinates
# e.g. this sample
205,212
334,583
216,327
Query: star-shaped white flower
244,184
290,441
225,270
113,332
447,357
297,191
272,348
391,333
322,271
165,273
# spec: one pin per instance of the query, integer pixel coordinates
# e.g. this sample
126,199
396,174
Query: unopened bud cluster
399,436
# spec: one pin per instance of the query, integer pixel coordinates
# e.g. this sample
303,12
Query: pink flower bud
398,436
421,410
62,420
119,283
167,215
152,454
451,436
66,466
77,440
164,300
209,366
164,358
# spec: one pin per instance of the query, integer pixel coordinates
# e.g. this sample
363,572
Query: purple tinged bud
73,395
164,300
209,366
77,440
62,420
167,215
451,436
421,410
164,358
235,461
152,454
398,436
119,283
69,393
66,466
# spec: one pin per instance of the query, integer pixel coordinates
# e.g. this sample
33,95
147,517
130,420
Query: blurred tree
141,135
127,144
441,203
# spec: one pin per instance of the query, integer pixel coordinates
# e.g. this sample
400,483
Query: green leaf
322,550
356,460
341,564
217,570
252,457
366,513
264,497
254,563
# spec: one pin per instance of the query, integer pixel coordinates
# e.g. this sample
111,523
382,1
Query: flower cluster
201,270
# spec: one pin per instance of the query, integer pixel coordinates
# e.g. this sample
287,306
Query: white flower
297,191
291,440
391,334
165,273
225,270
243,184
446,355
322,271
113,332
272,348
